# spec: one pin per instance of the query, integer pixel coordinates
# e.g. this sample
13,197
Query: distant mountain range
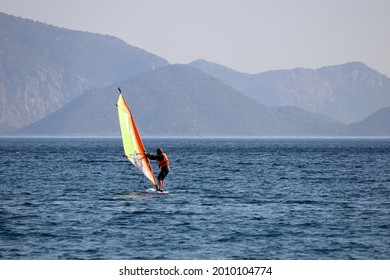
55,81
179,100
347,93
43,67
377,124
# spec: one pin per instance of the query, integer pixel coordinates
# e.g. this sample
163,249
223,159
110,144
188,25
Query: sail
132,142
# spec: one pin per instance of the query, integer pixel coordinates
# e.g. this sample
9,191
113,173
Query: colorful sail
132,142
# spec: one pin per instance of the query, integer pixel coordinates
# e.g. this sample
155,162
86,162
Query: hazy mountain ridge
348,92
377,124
179,100
43,67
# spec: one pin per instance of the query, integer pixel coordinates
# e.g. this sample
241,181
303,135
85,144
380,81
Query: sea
229,199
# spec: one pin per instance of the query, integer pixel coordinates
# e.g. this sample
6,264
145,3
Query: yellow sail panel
132,142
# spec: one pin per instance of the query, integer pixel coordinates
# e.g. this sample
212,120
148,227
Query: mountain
43,67
59,82
377,124
348,92
179,100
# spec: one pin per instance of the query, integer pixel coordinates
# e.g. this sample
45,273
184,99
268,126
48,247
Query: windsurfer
163,163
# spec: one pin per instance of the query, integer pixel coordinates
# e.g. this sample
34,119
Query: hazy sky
247,35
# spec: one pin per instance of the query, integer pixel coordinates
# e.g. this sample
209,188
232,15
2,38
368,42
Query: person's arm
151,156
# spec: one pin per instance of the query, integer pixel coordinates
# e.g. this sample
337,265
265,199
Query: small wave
303,201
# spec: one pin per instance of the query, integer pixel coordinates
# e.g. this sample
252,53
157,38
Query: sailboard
154,191
133,146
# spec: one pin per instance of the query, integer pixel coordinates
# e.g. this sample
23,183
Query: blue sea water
75,198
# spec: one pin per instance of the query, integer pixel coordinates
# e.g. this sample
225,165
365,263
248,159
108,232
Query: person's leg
160,185
161,178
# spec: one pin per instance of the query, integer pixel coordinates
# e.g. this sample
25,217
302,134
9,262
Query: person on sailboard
163,163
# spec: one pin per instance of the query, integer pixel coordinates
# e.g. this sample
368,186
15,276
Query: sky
250,36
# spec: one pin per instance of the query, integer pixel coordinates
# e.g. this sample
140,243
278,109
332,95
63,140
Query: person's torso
163,162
